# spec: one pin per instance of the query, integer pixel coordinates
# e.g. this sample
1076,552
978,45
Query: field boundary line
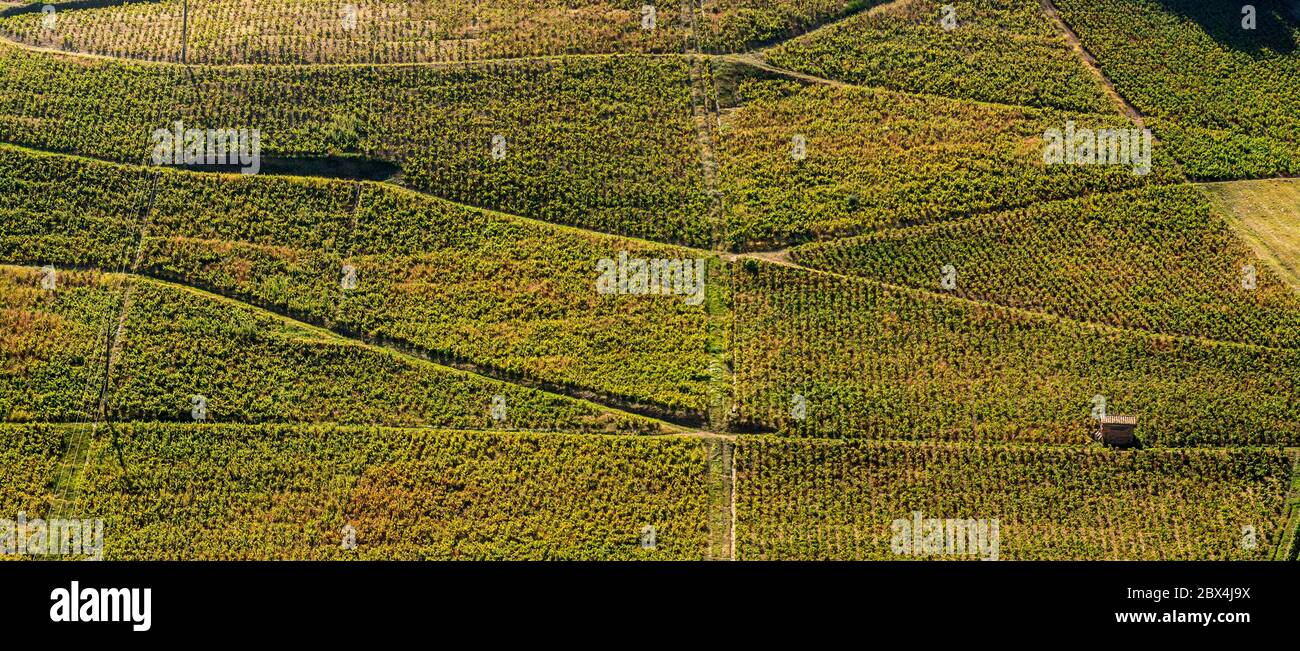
1284,177
703,90
702,435
570,228
1082,446
756,60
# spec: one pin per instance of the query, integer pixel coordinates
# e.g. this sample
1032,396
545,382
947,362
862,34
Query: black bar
961,602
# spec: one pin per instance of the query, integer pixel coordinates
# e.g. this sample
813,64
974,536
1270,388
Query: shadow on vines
1277,23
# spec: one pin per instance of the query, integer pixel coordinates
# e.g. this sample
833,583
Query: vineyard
421,31
607,144
313,31
224,492
602,279
822,500
1233,115
873,360
453,283
876,158
51,348
101,108
1003,51
249,366
252,369
1074,258
30,454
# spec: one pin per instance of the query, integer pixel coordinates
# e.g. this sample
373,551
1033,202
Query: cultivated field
716,279
1235,114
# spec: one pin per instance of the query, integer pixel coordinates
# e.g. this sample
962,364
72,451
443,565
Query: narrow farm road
1092,64
754,60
